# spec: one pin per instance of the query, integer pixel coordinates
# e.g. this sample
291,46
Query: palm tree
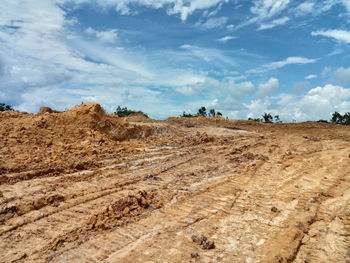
267,117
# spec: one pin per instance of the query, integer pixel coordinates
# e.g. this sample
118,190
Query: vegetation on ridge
5,107
202,111
124,112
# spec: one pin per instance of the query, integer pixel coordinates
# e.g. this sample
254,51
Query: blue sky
164,57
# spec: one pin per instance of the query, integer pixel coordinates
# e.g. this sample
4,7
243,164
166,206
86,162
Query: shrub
5,107
255,119
187,115
124,112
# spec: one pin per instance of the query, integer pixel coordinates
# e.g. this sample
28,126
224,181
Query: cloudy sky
241,57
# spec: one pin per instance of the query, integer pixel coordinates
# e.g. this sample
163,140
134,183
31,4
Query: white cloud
217,22
346,3
267,88
318,103
326,72
185,90
226,39
45,61
108,36
274,23
214,56
339,35
342,75
268,8
304,8
283,63
214,102
263,11
215,88
184,8
230,27
312,76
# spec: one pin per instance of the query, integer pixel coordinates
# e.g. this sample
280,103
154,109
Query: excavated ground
84,186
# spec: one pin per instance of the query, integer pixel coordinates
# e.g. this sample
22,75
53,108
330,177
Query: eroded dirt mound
44,110
51,141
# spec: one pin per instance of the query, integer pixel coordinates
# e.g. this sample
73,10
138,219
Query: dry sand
85,186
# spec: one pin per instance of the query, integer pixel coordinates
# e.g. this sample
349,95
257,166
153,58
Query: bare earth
84,186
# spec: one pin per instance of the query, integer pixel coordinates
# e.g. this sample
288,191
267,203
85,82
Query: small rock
300,226
153,177
305,239
309,220
313,200
150,208
209,244
274,209
189,220
199,239
203,241
194,254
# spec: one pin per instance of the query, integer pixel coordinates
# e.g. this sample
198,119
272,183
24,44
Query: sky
242,57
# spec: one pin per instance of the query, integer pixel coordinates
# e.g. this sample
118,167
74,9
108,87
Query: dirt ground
85,186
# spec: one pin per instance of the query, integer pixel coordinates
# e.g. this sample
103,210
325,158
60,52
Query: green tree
5,107
346,118
202,111
212,113
219,113
277,119
267,117
337,118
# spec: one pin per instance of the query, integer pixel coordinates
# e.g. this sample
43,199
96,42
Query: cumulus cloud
317,103
108,36
283,63
338,35
267,88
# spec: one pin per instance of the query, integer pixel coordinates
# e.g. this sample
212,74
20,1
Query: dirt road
258,192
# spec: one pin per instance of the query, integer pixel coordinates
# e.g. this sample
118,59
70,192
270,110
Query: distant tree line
202,111
124,112
267,118
337,118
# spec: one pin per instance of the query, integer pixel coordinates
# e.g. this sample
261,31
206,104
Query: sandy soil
84,186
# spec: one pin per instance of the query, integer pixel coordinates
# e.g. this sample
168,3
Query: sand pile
75,138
